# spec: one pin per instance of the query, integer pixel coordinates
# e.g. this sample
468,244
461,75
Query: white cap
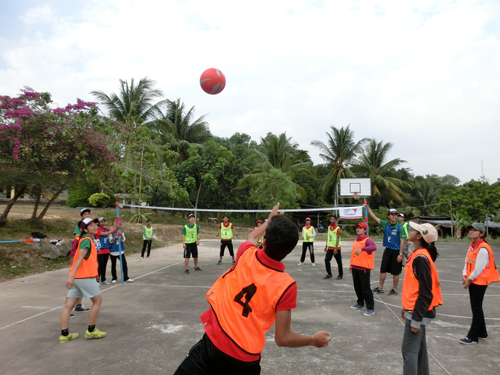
428,231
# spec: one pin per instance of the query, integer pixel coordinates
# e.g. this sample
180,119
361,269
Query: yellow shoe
95,335
65,339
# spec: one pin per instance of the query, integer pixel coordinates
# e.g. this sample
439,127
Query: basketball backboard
359,186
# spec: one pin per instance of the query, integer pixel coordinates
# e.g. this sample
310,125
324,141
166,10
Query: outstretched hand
274,211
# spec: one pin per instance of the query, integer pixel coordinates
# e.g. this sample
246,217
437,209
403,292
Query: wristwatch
400,254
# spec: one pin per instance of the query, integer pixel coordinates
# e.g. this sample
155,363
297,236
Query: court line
102,291
399,319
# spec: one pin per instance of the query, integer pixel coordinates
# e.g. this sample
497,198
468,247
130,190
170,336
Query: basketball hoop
356,196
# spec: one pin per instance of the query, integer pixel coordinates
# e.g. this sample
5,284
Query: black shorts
204,359
390,262
191,250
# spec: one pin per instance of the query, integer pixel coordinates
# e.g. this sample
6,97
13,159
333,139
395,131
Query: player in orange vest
82,282
246,301
480,270
362,261
421,295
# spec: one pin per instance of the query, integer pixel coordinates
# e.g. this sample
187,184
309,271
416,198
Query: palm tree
177,126
278,152
134,103
373,164
338,154
428,194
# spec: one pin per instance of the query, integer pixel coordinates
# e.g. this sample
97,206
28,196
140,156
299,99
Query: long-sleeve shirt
370,247
312,235
420,315
482,260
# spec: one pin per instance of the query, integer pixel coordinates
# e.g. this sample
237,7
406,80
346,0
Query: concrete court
153,322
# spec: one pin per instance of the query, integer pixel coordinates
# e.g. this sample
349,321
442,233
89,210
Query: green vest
308,232
226,233
405,227
149,233
332,237
191,235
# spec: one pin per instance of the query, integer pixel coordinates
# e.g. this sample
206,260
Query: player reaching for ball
246,301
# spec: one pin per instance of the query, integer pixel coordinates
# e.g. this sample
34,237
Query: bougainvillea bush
44,147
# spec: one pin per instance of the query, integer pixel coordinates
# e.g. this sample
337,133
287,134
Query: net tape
224,210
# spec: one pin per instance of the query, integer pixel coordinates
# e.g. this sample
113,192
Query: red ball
212,81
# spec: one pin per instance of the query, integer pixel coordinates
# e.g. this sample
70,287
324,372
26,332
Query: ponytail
431,249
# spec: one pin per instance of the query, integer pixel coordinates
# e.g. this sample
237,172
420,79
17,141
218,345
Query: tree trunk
38,191
196,204
5,213
54,197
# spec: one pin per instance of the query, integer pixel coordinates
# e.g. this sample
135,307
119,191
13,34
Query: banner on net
351,212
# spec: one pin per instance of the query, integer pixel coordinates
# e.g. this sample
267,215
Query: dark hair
148,221
431,249
225,216
282,236
83,226
333,217
82,212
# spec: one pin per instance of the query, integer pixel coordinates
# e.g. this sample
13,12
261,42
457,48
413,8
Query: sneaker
339,277
129,281
98,283
96,334
357,307
186,271
313,264
71,315
327,276
300,263
467,341
393,292
369,312
378,290
149,256
219,262
197,268
234,262
483,338
81,309
106,282
141,257
65,339
113,281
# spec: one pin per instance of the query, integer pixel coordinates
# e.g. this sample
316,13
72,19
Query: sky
423,75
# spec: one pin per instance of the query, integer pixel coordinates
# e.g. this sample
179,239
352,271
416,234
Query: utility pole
451,221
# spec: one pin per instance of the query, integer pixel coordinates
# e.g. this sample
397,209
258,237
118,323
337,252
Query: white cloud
422,76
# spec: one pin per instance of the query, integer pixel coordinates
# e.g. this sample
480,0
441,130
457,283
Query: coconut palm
278,152
134,104
338,154
177,126
428,195
373,164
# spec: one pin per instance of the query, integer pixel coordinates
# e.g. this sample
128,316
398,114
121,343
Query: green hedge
100,200
79,197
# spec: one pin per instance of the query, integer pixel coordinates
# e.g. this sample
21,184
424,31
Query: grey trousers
414,349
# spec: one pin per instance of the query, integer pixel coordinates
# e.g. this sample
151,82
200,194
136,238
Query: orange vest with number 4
245,298
490,273
411,284
364,259
88,267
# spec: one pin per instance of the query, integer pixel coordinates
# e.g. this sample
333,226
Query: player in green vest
260,242
190,241
308,234
333,248
147,238
226,230
406,227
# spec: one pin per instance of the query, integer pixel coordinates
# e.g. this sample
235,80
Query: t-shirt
212,328
77,230
402,232
183,231
85,244
338,234
98,237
